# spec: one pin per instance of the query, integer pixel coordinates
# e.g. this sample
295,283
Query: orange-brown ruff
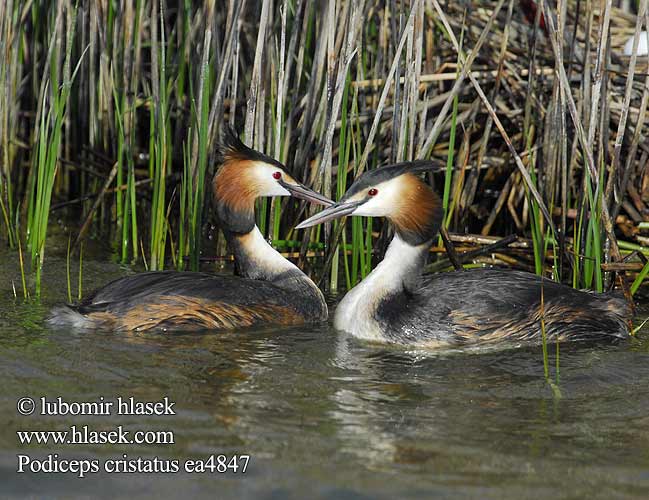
396,304
235,186
271,290
419,210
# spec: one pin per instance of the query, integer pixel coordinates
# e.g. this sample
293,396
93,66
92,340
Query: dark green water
324,416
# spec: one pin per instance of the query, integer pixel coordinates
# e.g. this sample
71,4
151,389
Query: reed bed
532,114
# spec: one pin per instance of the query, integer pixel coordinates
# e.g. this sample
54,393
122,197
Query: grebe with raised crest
396,304
270,289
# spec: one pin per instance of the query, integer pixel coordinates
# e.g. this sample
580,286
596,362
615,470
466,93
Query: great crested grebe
271,290
395,304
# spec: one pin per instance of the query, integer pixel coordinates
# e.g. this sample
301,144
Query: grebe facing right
395,304
271,290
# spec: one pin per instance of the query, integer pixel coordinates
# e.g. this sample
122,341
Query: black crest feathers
230,148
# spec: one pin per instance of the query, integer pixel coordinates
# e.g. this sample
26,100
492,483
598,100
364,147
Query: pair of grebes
393,304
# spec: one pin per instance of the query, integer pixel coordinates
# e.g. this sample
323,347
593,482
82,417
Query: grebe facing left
395,304
271,290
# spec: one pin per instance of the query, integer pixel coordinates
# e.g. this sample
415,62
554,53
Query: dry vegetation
109,112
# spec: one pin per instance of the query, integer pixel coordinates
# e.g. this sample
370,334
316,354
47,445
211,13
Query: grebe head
394,192
245,175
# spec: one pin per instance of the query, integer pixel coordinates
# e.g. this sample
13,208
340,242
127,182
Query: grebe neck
254,256
397,273
257,259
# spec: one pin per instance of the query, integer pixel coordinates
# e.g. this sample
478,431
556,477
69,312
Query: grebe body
270,289
396,304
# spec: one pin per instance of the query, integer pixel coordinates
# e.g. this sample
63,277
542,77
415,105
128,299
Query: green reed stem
161,154
450,160
80,282
46,161
67,269
22,270
185,201
544,337
535,221
196,219
640,278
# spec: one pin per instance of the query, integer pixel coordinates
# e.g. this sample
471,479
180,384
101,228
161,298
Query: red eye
373,192
277,175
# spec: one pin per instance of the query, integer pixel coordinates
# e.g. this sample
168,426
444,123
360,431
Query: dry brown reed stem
386,87
336,87
465,68
487,75
297,31
255,82
461,257
614,171
565,87
519,163
637,133
473,178
281,83
600,63
134,78
227,64
627,95
453,256
415,69
113,190
91,213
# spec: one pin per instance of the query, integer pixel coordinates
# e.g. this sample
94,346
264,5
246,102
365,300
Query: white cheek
268,185
274,189
374,207
383,203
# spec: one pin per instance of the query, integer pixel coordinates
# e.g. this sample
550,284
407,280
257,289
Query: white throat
258,260
356,312
262,259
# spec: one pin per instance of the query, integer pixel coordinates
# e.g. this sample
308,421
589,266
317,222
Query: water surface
322,415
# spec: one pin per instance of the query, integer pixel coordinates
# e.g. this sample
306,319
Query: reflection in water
363,430
398,409
324,415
